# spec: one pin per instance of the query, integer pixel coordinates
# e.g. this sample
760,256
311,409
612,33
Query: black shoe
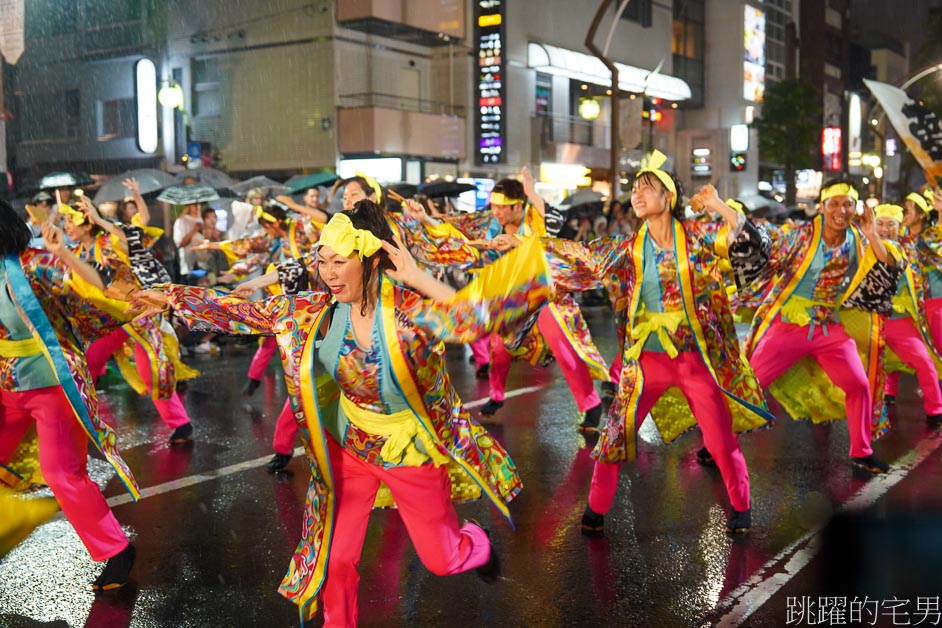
115,573
739,521
590,423
934,419
593,524
705,458
872,464
608,390
889,400
491,407
182,434
250,387
278,462
489,572
482,372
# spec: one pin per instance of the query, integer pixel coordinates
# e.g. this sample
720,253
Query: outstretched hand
705,197
148,303
52,238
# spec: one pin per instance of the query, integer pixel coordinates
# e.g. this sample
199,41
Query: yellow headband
652,163
341,236
920,201
77,217
264,215
498,198
736,205
839,189
370,181
888,210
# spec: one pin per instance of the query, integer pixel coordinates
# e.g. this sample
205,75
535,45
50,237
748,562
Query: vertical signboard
753,85
490,124
831,148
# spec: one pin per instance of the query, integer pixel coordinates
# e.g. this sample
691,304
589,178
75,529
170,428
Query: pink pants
263,355
423,495
934,314
286,430
63,448
689,373
171,411
906,342
574,369
480,352
784,344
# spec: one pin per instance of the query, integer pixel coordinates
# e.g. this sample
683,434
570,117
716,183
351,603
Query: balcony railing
400,103
555,128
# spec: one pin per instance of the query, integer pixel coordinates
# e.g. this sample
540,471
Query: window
52,116
207,95
638,11
685,41
115,118
544,94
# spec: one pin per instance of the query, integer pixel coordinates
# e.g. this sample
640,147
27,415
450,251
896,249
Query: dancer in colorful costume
815,341
44,327
559,326
681,359
377,402
922,237
112,249
905,327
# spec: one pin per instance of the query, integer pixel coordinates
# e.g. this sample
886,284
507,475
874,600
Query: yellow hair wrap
264,215
77,217
377,188
920,201
341,236
839,189
888,210
736,205
652,163
497,198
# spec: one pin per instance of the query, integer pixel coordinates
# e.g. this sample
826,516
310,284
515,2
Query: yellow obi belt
660,323
400,430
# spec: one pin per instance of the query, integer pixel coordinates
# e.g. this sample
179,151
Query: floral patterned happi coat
617,265
413,331
64,322
805,391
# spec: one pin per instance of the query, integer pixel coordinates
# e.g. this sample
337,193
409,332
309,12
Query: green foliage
928,90
790,123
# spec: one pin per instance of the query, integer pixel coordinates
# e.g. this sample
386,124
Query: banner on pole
918,127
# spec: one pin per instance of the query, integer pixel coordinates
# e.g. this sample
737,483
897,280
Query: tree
789,128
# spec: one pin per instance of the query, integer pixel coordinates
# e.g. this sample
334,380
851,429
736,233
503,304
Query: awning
584,67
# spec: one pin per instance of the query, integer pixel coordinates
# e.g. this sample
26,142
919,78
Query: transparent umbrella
55,180
149,180
271,185
212,177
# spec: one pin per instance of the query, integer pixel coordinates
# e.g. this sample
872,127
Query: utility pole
614,158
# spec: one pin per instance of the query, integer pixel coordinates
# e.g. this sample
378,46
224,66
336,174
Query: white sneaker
206,347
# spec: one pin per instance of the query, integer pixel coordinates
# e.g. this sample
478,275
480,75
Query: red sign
831,148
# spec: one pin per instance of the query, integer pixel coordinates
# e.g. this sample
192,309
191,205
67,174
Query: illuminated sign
145,82
753,84
831,148
490,124
701,164
739,138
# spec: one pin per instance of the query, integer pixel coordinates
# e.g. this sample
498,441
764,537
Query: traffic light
651,110
737,162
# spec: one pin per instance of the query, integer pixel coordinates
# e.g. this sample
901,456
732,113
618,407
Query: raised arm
143,213
317,214
55,244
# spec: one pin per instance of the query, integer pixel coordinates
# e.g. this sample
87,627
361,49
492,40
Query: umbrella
55,180
444,189
405,190
188,194
212,177
315,179
271,185
590,210
148,181
582,197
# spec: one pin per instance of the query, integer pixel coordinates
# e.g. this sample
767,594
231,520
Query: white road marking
207,476
748,597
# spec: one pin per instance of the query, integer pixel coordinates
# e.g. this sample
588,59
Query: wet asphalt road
213,547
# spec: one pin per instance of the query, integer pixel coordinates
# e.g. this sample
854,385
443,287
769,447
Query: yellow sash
400,429
797,307
19,348
660,323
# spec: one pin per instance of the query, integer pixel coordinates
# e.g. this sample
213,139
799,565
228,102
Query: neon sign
490,127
